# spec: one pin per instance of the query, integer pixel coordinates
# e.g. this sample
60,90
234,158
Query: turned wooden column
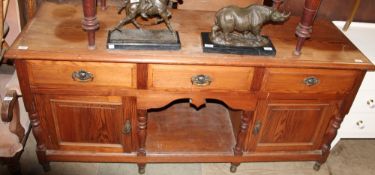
103,4
89,22
330,135
142,133
31,9
304,28
41,148
241,136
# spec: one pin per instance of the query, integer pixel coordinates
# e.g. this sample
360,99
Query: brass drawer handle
82,76
311,81
201,80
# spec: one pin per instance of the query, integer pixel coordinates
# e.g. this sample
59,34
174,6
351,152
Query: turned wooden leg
141,168
142,131
233,167
22,73
90,23
13,164
330,136
31,8
241,136
46,167
304,28
103,4
317,166
40,147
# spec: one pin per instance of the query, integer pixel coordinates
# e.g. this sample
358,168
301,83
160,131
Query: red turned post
89,22
304,28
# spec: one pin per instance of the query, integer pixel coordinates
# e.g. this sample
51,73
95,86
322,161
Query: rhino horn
285,15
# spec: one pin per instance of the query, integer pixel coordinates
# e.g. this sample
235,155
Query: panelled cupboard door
290,125
85,123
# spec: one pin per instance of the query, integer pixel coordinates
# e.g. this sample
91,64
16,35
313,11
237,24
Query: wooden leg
233,167
46,167
330,136
304,28
103,4
142,133
30,108
141,168
40,147
14,166
241,136
352,14
317,166
90,23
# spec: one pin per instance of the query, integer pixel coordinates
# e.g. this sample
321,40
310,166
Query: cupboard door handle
127,127
371,103
201,80
257,126
360,124
82,76
311,81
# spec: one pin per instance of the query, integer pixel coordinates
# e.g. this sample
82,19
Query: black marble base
143,40
209,47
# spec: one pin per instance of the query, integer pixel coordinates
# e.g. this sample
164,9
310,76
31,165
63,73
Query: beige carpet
349,157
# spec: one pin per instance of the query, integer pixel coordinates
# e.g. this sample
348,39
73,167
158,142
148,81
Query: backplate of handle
311,81
257,126
127,127
201,80
82,76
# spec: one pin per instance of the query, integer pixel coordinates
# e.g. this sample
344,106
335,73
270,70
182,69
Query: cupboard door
100,124
285,125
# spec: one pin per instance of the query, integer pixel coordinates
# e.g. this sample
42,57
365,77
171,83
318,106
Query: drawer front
358,125
308,80
207,77
364,102
93,74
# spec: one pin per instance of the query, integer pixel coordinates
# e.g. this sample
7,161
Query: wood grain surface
51,35
179,77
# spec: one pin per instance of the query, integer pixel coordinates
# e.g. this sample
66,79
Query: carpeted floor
349,157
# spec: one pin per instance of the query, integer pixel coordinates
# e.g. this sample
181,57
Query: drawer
358,125
102,74
207,77
364,102
308,80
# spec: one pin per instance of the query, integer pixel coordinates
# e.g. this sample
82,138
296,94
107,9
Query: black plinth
209,47
143,40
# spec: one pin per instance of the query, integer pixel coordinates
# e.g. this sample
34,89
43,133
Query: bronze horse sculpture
157,8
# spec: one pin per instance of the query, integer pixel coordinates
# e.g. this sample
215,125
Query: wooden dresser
143,107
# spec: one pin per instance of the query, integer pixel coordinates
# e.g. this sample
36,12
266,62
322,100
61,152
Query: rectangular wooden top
55,33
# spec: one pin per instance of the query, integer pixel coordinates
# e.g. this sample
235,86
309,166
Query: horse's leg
167,22
123,22
135,23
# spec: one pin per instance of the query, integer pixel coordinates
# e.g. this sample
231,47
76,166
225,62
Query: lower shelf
182,129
